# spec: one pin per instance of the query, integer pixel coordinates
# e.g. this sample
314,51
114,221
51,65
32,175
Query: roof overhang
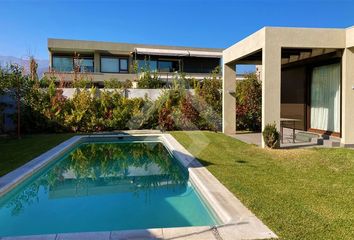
178,53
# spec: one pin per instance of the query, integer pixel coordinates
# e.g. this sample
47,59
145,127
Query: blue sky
26,25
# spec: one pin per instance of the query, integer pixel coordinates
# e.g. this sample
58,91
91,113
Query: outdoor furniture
283,123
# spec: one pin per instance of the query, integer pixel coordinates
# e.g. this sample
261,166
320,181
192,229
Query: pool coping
237,222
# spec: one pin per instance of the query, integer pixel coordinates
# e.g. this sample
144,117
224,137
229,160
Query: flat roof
67,45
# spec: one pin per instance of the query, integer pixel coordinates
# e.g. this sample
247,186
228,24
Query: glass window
168,66
62,64
325,98
123,65
86,65
143,64
109,64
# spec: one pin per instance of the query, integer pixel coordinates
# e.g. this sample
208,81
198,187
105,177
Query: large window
114,64
325,98
147,64
62,64
86,65
168,66
123,65
66,64
158,66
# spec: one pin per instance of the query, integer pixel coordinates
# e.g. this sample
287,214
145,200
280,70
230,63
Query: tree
210,91
249,103
17,85
33,70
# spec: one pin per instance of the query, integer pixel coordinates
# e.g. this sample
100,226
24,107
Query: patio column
271,83
97,61
229,101
347,139
50,61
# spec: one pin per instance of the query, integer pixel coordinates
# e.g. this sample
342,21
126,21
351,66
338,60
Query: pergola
273,47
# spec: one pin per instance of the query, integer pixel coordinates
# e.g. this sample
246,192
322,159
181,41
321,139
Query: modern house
307,75
104,60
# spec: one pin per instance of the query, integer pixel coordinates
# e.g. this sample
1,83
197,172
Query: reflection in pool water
104,186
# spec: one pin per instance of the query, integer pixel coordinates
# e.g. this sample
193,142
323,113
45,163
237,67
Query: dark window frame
168,60
73,61
90,58
119,64
62,56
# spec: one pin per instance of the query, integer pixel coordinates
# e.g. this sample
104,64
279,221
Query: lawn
299,194
15,152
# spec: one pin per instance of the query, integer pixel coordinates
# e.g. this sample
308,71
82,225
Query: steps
323,140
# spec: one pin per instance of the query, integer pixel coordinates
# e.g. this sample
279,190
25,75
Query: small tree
249,103
209,90
149,79
17,85
33,71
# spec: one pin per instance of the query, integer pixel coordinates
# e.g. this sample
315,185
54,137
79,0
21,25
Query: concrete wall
95,77
111,47
348,91
350,37
152,94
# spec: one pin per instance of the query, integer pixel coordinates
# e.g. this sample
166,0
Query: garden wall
153,94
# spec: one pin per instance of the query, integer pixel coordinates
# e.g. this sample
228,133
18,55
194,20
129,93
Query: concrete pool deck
236,221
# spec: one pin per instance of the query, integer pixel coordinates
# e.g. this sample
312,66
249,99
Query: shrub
249,103
166,121
271,136
189,115
210,91
45,109
149,79
114,83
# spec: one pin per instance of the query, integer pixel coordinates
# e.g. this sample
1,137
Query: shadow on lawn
204,162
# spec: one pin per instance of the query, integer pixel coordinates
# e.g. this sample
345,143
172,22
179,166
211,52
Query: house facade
102,61
307,75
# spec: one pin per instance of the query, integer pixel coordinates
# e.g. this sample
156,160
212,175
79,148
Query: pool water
104,186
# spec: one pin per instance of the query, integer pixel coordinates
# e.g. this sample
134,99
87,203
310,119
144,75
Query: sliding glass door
325,98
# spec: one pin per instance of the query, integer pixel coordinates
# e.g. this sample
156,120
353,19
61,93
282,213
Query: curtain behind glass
325,98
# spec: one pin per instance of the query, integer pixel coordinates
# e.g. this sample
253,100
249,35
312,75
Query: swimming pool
128,185
105,184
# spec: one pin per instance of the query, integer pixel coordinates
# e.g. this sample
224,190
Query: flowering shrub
46,109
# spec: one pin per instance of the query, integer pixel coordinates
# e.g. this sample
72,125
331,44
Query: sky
25,25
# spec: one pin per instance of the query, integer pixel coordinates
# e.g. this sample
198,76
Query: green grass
16,152
299,194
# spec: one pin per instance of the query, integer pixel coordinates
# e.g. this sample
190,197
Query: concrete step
306,137
331,143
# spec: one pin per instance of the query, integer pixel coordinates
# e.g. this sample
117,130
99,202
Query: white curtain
325,98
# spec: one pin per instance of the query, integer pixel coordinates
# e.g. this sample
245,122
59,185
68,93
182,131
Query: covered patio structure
307,75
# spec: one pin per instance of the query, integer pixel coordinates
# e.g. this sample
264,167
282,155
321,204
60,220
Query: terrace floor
255,138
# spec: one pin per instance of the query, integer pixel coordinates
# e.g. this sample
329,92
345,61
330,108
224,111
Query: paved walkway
256,139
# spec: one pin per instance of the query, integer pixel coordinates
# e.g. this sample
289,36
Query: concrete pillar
229,101
347,139
271,85
50,61
97,62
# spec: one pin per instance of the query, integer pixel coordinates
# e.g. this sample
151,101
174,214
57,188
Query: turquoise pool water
104,186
